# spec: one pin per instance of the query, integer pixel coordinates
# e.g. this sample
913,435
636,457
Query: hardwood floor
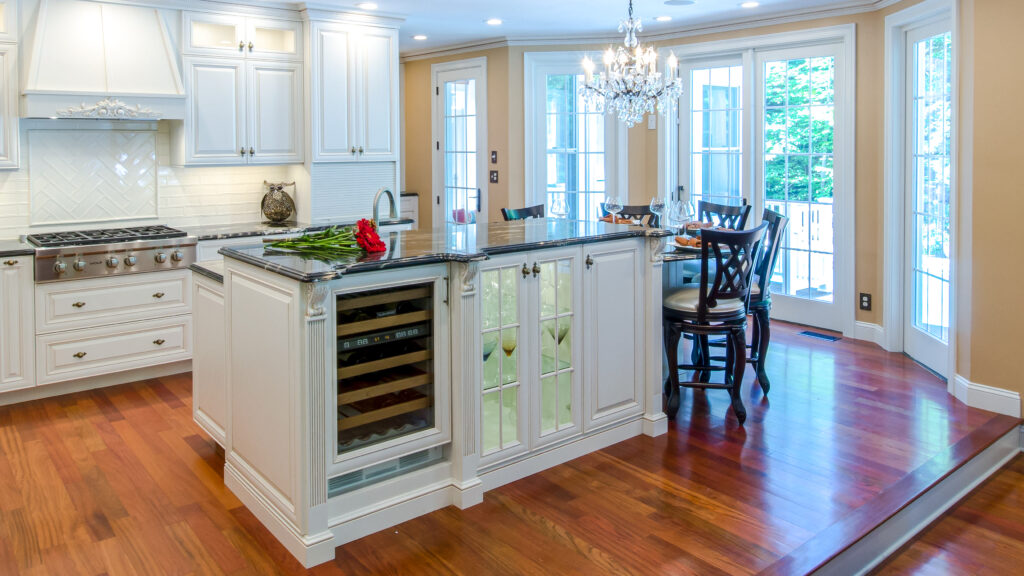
121,481
983,534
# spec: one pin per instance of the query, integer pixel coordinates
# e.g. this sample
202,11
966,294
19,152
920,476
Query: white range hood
106,61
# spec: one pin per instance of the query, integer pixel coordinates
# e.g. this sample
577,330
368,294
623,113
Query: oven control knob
130,260
160,258
112,262
177,256
60,267
79,265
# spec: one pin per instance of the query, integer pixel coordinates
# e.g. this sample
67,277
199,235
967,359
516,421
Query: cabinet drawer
80,353
100,301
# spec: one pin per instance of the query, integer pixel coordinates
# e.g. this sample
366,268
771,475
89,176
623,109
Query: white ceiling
454,22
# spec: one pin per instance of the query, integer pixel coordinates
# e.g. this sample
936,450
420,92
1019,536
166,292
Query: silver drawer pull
158,295
79,355
159,341
10,263
79,304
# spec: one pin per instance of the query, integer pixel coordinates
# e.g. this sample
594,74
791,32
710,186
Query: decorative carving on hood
109,108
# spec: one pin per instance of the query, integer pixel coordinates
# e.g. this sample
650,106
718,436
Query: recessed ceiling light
750,5
419,37
493,22
679,2
367,5
663,18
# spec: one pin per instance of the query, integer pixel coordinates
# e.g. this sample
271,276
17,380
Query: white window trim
617,136
896,27
438,212
845,145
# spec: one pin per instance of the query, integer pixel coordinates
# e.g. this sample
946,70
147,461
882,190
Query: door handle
79,304
590,261
536,270
159,341
526,270
79,355
10,263
479,201
158,295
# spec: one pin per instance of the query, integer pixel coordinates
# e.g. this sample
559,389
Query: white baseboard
985,397
869,333
93,382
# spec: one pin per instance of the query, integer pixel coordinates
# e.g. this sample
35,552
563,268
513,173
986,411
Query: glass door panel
459,145
713,129
574,149
556,348
500,296
929,125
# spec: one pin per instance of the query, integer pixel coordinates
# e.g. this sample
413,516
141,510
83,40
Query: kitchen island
364,392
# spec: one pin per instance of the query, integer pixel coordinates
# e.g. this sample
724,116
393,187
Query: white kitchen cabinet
9,141
237,36
531,350
354,85
241,112
16,327
613,332
209,377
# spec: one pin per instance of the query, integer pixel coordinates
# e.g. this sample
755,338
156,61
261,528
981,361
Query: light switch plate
494,177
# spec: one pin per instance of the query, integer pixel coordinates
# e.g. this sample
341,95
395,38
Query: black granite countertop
10,248
455,243
254,229
212,269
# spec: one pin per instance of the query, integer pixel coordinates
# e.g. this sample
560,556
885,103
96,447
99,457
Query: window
714,154
572,152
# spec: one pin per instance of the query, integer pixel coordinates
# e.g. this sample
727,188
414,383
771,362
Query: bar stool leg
738,343
672,334
764,336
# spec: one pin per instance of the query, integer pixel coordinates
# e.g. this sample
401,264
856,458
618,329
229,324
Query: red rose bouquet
367,237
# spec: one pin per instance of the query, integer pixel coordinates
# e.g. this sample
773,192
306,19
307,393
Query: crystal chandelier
631,86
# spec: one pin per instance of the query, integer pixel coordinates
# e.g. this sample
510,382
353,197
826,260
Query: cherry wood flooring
121,481
983,534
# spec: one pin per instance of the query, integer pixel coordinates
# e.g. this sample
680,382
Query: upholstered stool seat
687,299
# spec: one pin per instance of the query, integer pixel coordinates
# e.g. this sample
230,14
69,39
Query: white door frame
844,36
476,67
896,27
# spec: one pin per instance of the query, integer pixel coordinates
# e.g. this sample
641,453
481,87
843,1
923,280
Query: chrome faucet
392,212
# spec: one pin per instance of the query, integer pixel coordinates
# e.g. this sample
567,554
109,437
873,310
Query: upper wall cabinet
8,20
241,36
354,85
9,143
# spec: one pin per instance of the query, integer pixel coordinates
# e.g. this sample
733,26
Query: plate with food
688,243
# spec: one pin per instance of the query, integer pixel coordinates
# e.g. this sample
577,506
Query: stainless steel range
110,252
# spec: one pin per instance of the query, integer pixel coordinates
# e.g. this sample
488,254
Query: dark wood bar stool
760,305
724,215
642,215
522,213
715,305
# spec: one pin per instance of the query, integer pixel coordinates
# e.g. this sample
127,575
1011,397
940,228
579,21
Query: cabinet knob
360,149
252,151
79,304
536,270
590,261
242,150
10,263
353,150
241,45
526,270
79,355
159,341
250,46
158,295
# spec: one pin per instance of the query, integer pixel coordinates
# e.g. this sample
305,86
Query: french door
460,141
798,98
927,246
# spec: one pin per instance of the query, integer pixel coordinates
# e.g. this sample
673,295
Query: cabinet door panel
378,95
214,34
16,327
275,113
9,143
613,332
216,111
209,384
331,98
273,39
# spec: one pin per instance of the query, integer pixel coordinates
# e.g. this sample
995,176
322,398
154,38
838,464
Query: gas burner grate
103,236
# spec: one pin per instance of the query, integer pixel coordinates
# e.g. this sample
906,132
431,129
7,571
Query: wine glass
613,205
658,207
559,208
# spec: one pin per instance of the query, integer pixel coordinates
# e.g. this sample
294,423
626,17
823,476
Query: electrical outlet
494,177
865,301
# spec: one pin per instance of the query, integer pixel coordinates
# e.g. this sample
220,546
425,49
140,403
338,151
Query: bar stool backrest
735,254
724,215
523,213
770,252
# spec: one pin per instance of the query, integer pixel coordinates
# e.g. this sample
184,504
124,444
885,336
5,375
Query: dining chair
642,215
724,215
522,213
715,305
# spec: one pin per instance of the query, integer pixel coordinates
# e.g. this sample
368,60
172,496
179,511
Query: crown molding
850,8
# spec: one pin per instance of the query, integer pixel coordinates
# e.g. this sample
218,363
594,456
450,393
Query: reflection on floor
121,481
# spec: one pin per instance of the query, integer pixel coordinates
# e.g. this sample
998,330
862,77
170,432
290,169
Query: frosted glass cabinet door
273,39
504,399
215,91
275,112
215,34
557,293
